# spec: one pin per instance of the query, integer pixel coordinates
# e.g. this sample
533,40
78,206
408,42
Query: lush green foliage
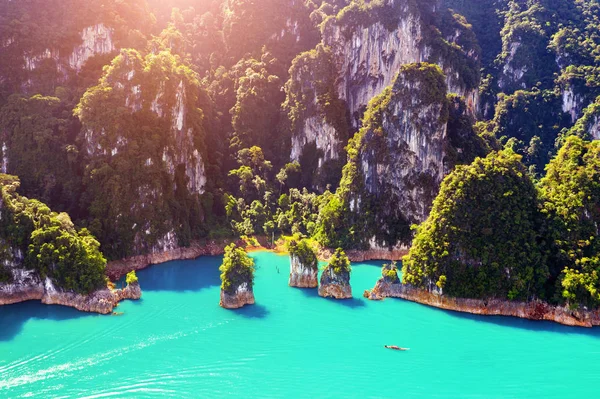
131,278
302,249
53,247
532,120
389,272
482,238
133,152
237,269
339,263
38,133
571,195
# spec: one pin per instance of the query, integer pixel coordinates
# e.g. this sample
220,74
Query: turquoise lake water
177,342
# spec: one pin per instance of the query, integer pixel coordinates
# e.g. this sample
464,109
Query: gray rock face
242,296
95,40
366,60
370,58
301,275
335,285
400,157
414,140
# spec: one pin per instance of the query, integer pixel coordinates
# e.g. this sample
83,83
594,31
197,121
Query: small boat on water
396,348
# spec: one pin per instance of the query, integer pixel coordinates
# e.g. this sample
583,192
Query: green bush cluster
303,250
53,247
131,278
389,273
571,196
493,234
483,234
339,263
237,268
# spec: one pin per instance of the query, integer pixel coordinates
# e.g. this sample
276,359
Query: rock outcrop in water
242,296
335,279
27,286
304,266
237,278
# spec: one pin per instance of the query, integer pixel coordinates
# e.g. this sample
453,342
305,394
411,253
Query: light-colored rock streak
241,297
370,59
301,275
96,39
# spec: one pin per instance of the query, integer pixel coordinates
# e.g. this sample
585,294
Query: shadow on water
179,276
13,317
524,324
376,263
351,303
255,311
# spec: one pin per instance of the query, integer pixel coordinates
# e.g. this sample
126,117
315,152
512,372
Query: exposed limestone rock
243,295
572,104
27,286
369,59
335,285
365,60
595,128
512,74
96,39
400,157
535,310
319,131
302,275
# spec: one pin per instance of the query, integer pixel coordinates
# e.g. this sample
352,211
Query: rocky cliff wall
366,57
301,275
335,285
242,296
397,159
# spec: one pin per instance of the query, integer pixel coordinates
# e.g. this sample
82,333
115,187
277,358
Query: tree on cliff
339,263
481,239
53,247
237,269
571,194
301,248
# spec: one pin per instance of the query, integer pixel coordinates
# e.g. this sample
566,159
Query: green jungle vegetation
237,269
303,250
184,132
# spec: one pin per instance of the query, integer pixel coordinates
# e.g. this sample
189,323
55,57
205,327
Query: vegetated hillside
154,124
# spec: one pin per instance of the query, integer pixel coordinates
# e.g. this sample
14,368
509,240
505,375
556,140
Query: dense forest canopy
154,124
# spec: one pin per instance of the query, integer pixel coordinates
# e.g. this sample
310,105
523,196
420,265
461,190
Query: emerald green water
177,342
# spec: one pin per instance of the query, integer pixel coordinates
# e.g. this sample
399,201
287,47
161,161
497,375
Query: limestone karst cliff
139,96
237,278
360,54
396,163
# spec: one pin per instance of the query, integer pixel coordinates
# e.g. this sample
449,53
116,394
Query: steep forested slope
154,124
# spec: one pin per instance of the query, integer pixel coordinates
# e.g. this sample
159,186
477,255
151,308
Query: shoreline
119,268
103,301
536,310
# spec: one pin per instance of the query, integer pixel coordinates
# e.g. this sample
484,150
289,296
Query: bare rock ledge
535,310
101,301
243,296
